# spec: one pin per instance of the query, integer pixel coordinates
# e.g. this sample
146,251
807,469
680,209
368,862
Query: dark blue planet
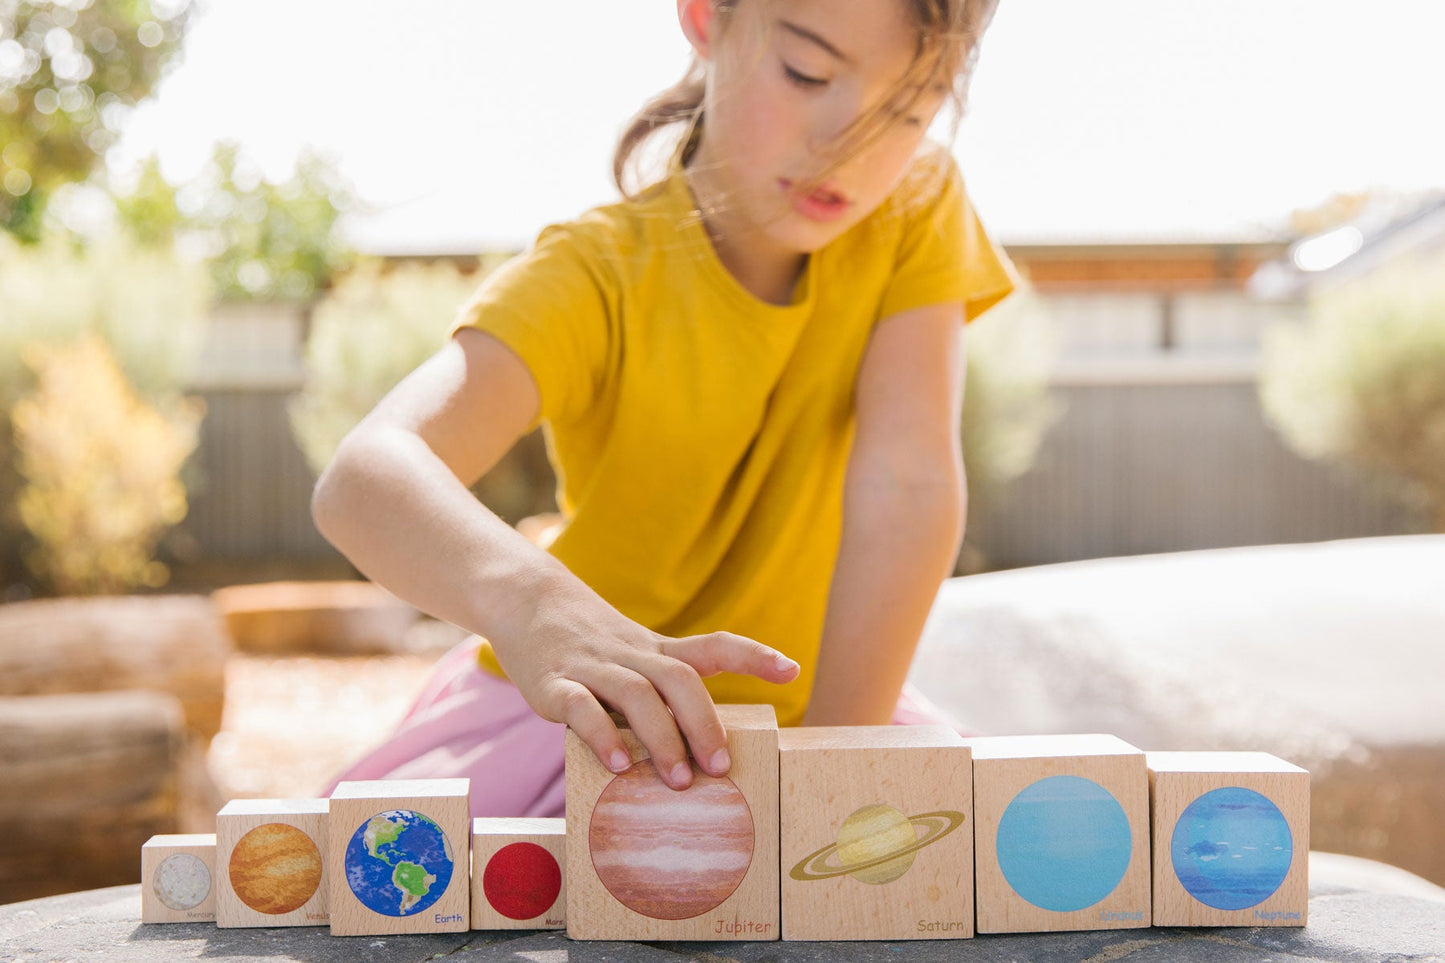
1064,843
399,863
1231,848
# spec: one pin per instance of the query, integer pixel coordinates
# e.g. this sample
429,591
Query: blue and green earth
399,863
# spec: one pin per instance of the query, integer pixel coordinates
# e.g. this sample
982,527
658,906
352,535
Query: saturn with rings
876,844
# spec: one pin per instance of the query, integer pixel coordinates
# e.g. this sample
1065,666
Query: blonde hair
949,32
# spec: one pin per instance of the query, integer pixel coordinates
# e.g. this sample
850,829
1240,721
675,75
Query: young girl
750,374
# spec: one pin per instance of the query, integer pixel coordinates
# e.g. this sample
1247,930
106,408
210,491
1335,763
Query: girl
750,374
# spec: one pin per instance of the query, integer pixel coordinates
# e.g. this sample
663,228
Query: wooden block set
885,833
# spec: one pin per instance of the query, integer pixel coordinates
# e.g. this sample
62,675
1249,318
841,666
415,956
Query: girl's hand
583,656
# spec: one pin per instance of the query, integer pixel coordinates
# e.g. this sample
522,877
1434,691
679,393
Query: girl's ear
696,18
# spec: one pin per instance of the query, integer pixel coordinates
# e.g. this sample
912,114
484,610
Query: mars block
1231,839
645,862
177,875
401,852
517,880
1061,833
270,860
876,833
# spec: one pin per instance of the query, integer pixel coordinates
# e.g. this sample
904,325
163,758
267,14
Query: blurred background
226,228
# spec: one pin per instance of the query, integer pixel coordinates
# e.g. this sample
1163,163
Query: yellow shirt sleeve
550,306
945,256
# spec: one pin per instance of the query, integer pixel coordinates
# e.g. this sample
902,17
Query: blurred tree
263,240
1362,382
69,71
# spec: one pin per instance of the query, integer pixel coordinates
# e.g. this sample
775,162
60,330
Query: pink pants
469,723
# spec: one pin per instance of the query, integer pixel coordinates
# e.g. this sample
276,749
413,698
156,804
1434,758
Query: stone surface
1327,655
1359,911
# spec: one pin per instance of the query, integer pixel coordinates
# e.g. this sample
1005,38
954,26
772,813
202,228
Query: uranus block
646,862
1061,833
401,857
517,874
1231,839
876,833
178,874
271,858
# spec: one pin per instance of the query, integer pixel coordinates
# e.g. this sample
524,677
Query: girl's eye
803,80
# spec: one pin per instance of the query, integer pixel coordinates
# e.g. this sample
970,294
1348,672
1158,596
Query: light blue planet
1064,843
1231,848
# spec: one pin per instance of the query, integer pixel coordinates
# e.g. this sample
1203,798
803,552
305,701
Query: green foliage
69,72
263,240
367,333
1362,383
101,470
150,309
1007,408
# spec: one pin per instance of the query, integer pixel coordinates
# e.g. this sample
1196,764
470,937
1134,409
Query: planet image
275,869
182,881
1231,848
876,844
399,863
1064,843
522,881
670,855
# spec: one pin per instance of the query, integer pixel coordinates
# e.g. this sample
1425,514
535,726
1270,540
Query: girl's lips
824,204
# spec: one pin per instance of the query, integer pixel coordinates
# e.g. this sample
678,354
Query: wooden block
272,857
1061,833
648,863
177,879
876,833
402,857
1231,839
517,880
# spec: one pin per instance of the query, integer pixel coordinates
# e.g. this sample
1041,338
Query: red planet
522,881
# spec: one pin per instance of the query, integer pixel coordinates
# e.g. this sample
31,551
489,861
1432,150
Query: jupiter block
876,833
645,862
400,857
517,881
178,879
1231,839
271,858
1061,833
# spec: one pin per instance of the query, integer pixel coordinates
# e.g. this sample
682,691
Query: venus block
517,880
876,833
1231,839
1061,833
645,862
271,863
177,875
400,857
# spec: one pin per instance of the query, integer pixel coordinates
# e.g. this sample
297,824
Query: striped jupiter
666,854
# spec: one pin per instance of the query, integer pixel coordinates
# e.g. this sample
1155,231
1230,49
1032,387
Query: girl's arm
903,513
395,501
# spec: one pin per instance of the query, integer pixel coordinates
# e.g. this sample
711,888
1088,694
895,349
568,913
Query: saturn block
271,862
177,875
517,880
400,857
645,862
1231,839
1061,833
876,833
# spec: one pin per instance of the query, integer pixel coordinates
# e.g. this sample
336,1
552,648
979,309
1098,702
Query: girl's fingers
725,652
574,704
635,697
692,710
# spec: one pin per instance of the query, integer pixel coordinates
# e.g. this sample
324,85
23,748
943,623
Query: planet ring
939,824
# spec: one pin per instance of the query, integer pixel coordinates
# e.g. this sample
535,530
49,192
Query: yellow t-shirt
700,434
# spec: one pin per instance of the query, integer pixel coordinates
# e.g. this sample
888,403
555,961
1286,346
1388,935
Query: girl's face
785,79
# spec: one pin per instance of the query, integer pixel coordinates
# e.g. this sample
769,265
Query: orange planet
275,869
670,855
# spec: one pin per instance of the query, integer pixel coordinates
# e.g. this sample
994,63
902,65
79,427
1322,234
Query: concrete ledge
1360,912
